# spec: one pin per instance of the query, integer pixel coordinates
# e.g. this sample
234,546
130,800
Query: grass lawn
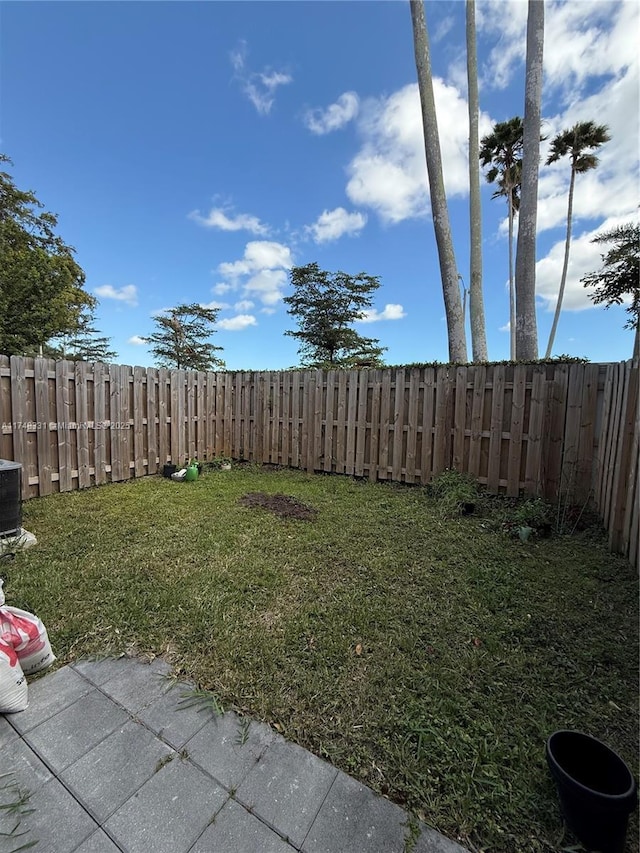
429,657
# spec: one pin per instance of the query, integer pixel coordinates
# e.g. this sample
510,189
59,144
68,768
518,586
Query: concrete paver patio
114,761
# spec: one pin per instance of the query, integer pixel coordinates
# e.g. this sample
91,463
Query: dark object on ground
597,790
468,508
168,470
281,505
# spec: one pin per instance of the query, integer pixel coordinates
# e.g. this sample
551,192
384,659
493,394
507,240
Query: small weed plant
455,493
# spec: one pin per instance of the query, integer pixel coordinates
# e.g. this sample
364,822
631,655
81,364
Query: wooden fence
545,430
616,488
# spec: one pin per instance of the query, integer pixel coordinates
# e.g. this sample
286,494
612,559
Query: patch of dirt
283,506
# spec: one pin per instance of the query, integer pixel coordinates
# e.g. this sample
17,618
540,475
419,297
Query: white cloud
127,294
580,39
137,341
258,86
258,255
221,288
585,257
262,271
267,285
215,305
217,218
443,28
389,173
332,224
236,324
391,312
335,116
244,305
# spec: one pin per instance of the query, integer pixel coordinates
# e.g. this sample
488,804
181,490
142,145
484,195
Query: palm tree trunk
526,326
512,292
476,301
565,267
439,210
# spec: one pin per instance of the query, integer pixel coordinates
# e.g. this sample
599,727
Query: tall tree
502,149
618,280
86,343
182,338
526,325
476,301
325,305
439,209
579,142
42,293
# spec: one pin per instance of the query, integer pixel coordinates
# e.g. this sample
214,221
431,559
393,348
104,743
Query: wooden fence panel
361,430
374,445
81,384
475,437
514,463
152,420
533,484
495,440
398,426
41,381
412,426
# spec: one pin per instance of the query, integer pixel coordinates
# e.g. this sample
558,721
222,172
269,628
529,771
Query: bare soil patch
284,506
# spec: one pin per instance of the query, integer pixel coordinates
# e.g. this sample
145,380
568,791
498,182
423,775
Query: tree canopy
325,305
618,280
182,338
86,343
42,294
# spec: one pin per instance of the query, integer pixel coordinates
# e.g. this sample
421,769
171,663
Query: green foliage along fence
542,429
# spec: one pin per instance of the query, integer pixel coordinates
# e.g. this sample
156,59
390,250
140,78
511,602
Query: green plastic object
192,472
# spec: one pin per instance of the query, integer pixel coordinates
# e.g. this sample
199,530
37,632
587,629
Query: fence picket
514,464
43,434
495,439
327,460
460,418
81,388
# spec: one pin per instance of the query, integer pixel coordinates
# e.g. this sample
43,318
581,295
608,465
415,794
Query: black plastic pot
597,790
168,470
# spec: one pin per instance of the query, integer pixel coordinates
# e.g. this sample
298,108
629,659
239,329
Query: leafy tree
478,329
181,339
42,287
439,209
526,324
502,149
619,276
579,142
324,305
86,343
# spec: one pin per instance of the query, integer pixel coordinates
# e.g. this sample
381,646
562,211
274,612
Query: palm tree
579,142
439,209
502,149
478,330
526,325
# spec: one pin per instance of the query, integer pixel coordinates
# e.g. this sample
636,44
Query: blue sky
195,151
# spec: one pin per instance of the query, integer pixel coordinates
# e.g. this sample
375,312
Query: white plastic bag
13,684
28,636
